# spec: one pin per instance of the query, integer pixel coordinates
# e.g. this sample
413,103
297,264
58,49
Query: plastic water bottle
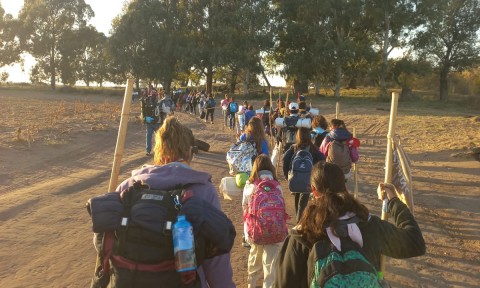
183,245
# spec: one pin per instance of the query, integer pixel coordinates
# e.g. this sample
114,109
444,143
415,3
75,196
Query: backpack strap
177,198
127,198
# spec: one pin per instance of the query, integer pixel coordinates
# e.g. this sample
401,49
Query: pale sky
105,11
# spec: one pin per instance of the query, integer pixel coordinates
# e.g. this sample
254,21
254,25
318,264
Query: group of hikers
197,100
335,241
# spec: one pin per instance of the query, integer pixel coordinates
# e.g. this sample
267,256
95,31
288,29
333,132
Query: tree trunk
209,78
444,84
266,79
352,84
338,80
52,68
300,86
167,86
137,83
317,87
233,80
246,81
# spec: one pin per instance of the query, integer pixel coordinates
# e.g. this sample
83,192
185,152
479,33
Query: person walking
224,103
336,221
150,117
210,106
297,164
166,106
174,149
340,147
255,132
263,184
232,111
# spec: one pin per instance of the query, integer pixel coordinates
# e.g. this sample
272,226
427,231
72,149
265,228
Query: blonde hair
173,142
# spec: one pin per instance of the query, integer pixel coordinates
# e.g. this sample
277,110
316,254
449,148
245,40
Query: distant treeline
317,44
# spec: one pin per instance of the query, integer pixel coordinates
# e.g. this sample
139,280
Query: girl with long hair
261,256
303,142
333,214
255,132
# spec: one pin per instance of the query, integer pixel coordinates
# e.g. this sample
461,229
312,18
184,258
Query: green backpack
346,268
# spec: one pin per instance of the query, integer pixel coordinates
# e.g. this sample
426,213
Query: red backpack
265,217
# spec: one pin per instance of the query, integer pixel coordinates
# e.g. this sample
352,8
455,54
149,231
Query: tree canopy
47,27
8,42
330,43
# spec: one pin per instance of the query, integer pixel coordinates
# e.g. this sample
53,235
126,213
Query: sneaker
148,154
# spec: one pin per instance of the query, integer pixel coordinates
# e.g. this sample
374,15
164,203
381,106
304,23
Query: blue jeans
151,128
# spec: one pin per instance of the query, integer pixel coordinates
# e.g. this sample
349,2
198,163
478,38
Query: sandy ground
63,152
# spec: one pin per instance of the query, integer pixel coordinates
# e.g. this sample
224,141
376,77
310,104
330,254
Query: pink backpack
265,217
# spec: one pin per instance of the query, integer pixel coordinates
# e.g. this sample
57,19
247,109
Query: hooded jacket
339,134
288,158
217,271
400,240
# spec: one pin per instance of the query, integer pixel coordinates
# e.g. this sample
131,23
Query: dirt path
45,231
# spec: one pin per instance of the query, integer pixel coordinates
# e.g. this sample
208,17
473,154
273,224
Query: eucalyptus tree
8,42
44,23
321,38
253,39
147,40
211,36
92,60
448,36
390,21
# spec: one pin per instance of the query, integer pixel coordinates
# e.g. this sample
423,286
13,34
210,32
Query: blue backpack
300,171
233,107
211,103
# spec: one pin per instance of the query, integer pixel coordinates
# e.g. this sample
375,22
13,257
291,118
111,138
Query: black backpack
140,248
300,170
289,132
318,137
149,109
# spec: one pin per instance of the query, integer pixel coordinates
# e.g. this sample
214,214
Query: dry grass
52,122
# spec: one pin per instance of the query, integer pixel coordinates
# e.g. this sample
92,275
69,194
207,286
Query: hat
293,106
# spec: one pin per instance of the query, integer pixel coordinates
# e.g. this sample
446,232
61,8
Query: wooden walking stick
100,279
355,171
389,164
122,132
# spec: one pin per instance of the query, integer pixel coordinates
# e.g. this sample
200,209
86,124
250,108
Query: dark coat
402,240
287,158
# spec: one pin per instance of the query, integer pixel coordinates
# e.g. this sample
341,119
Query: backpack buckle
124,223
167,228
